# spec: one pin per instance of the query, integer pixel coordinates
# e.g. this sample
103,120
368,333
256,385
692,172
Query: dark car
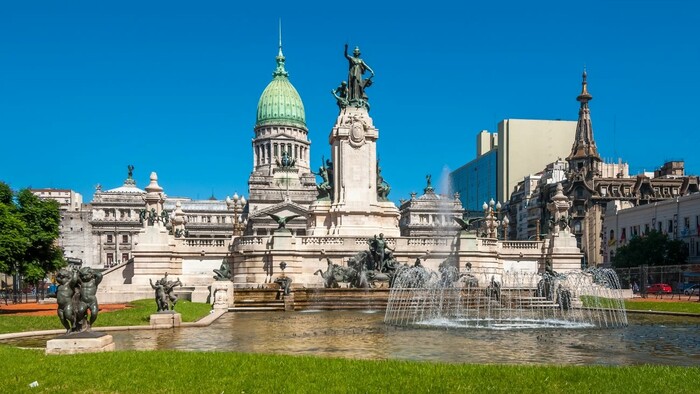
657,288
692,290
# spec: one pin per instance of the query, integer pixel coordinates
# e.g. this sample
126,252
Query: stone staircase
258,300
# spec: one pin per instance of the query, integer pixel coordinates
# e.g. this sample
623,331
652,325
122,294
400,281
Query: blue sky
87,87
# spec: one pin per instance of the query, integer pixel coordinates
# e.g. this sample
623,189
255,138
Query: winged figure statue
282,220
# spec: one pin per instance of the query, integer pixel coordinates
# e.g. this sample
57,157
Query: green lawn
206,372
681,306
136,314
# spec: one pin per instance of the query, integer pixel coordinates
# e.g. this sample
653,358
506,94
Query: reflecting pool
653,339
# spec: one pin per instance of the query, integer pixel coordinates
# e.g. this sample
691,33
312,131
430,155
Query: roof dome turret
280,104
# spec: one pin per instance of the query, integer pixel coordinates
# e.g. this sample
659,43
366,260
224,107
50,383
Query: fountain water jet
506,299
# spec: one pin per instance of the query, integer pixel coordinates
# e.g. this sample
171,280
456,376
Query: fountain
505,299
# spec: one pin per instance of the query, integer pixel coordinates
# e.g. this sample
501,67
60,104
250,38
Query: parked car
659,288
692,290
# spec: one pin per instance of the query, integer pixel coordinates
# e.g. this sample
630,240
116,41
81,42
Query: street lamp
236,205
492,221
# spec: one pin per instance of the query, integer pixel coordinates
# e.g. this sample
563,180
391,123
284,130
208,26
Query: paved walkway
46,309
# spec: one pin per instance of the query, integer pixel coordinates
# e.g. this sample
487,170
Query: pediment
282,209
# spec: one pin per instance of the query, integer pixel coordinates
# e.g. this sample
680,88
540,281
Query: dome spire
584,97
280,71
280,103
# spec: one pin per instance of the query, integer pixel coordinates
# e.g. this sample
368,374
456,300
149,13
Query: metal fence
18,297
679,277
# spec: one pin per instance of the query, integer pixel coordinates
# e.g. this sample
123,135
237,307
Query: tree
29,228
654,248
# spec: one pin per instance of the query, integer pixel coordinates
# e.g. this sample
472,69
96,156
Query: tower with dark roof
584,160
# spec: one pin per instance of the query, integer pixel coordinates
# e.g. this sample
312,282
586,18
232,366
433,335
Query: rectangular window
125,257
125,239
110,258
110,238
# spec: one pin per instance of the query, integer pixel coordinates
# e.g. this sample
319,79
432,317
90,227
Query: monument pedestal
564,252
355,207
289,302
222,294
166,319
82,342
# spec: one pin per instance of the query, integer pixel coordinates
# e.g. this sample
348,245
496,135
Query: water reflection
648,339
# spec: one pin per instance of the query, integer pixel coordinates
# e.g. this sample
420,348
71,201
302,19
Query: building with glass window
519,148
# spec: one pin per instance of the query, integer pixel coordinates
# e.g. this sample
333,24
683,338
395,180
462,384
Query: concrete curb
203,322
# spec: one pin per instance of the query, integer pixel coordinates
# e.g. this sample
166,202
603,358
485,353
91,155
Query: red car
657,288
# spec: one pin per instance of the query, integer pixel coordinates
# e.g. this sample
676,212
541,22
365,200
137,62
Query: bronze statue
89,280
356,84
466,225
380,250
67,284
341,94
383,187
131,171
76,296
325,188
164,295
282,220
287,161
285,284
329,279
223,273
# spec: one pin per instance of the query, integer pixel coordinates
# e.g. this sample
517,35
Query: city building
590,184
518,148
281,182
678,217
68,200
431,214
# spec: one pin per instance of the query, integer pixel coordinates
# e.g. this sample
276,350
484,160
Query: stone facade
679,218
291,225
430,215
591,184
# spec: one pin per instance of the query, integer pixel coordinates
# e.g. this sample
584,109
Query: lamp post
490,216
492,220
236,205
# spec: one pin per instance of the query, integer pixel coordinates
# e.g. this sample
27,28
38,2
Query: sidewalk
45,309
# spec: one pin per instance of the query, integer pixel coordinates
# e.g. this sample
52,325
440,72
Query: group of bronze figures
365,268
165,293
76,298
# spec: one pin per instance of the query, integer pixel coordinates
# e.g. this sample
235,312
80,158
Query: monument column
154,254
354,205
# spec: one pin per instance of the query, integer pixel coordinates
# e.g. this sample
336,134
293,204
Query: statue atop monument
354,93
383,187
325,188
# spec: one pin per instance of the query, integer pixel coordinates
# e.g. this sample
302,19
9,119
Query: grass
202,372
676,306
137,313
680,306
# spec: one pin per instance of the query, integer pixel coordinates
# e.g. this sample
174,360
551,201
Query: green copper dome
280,103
